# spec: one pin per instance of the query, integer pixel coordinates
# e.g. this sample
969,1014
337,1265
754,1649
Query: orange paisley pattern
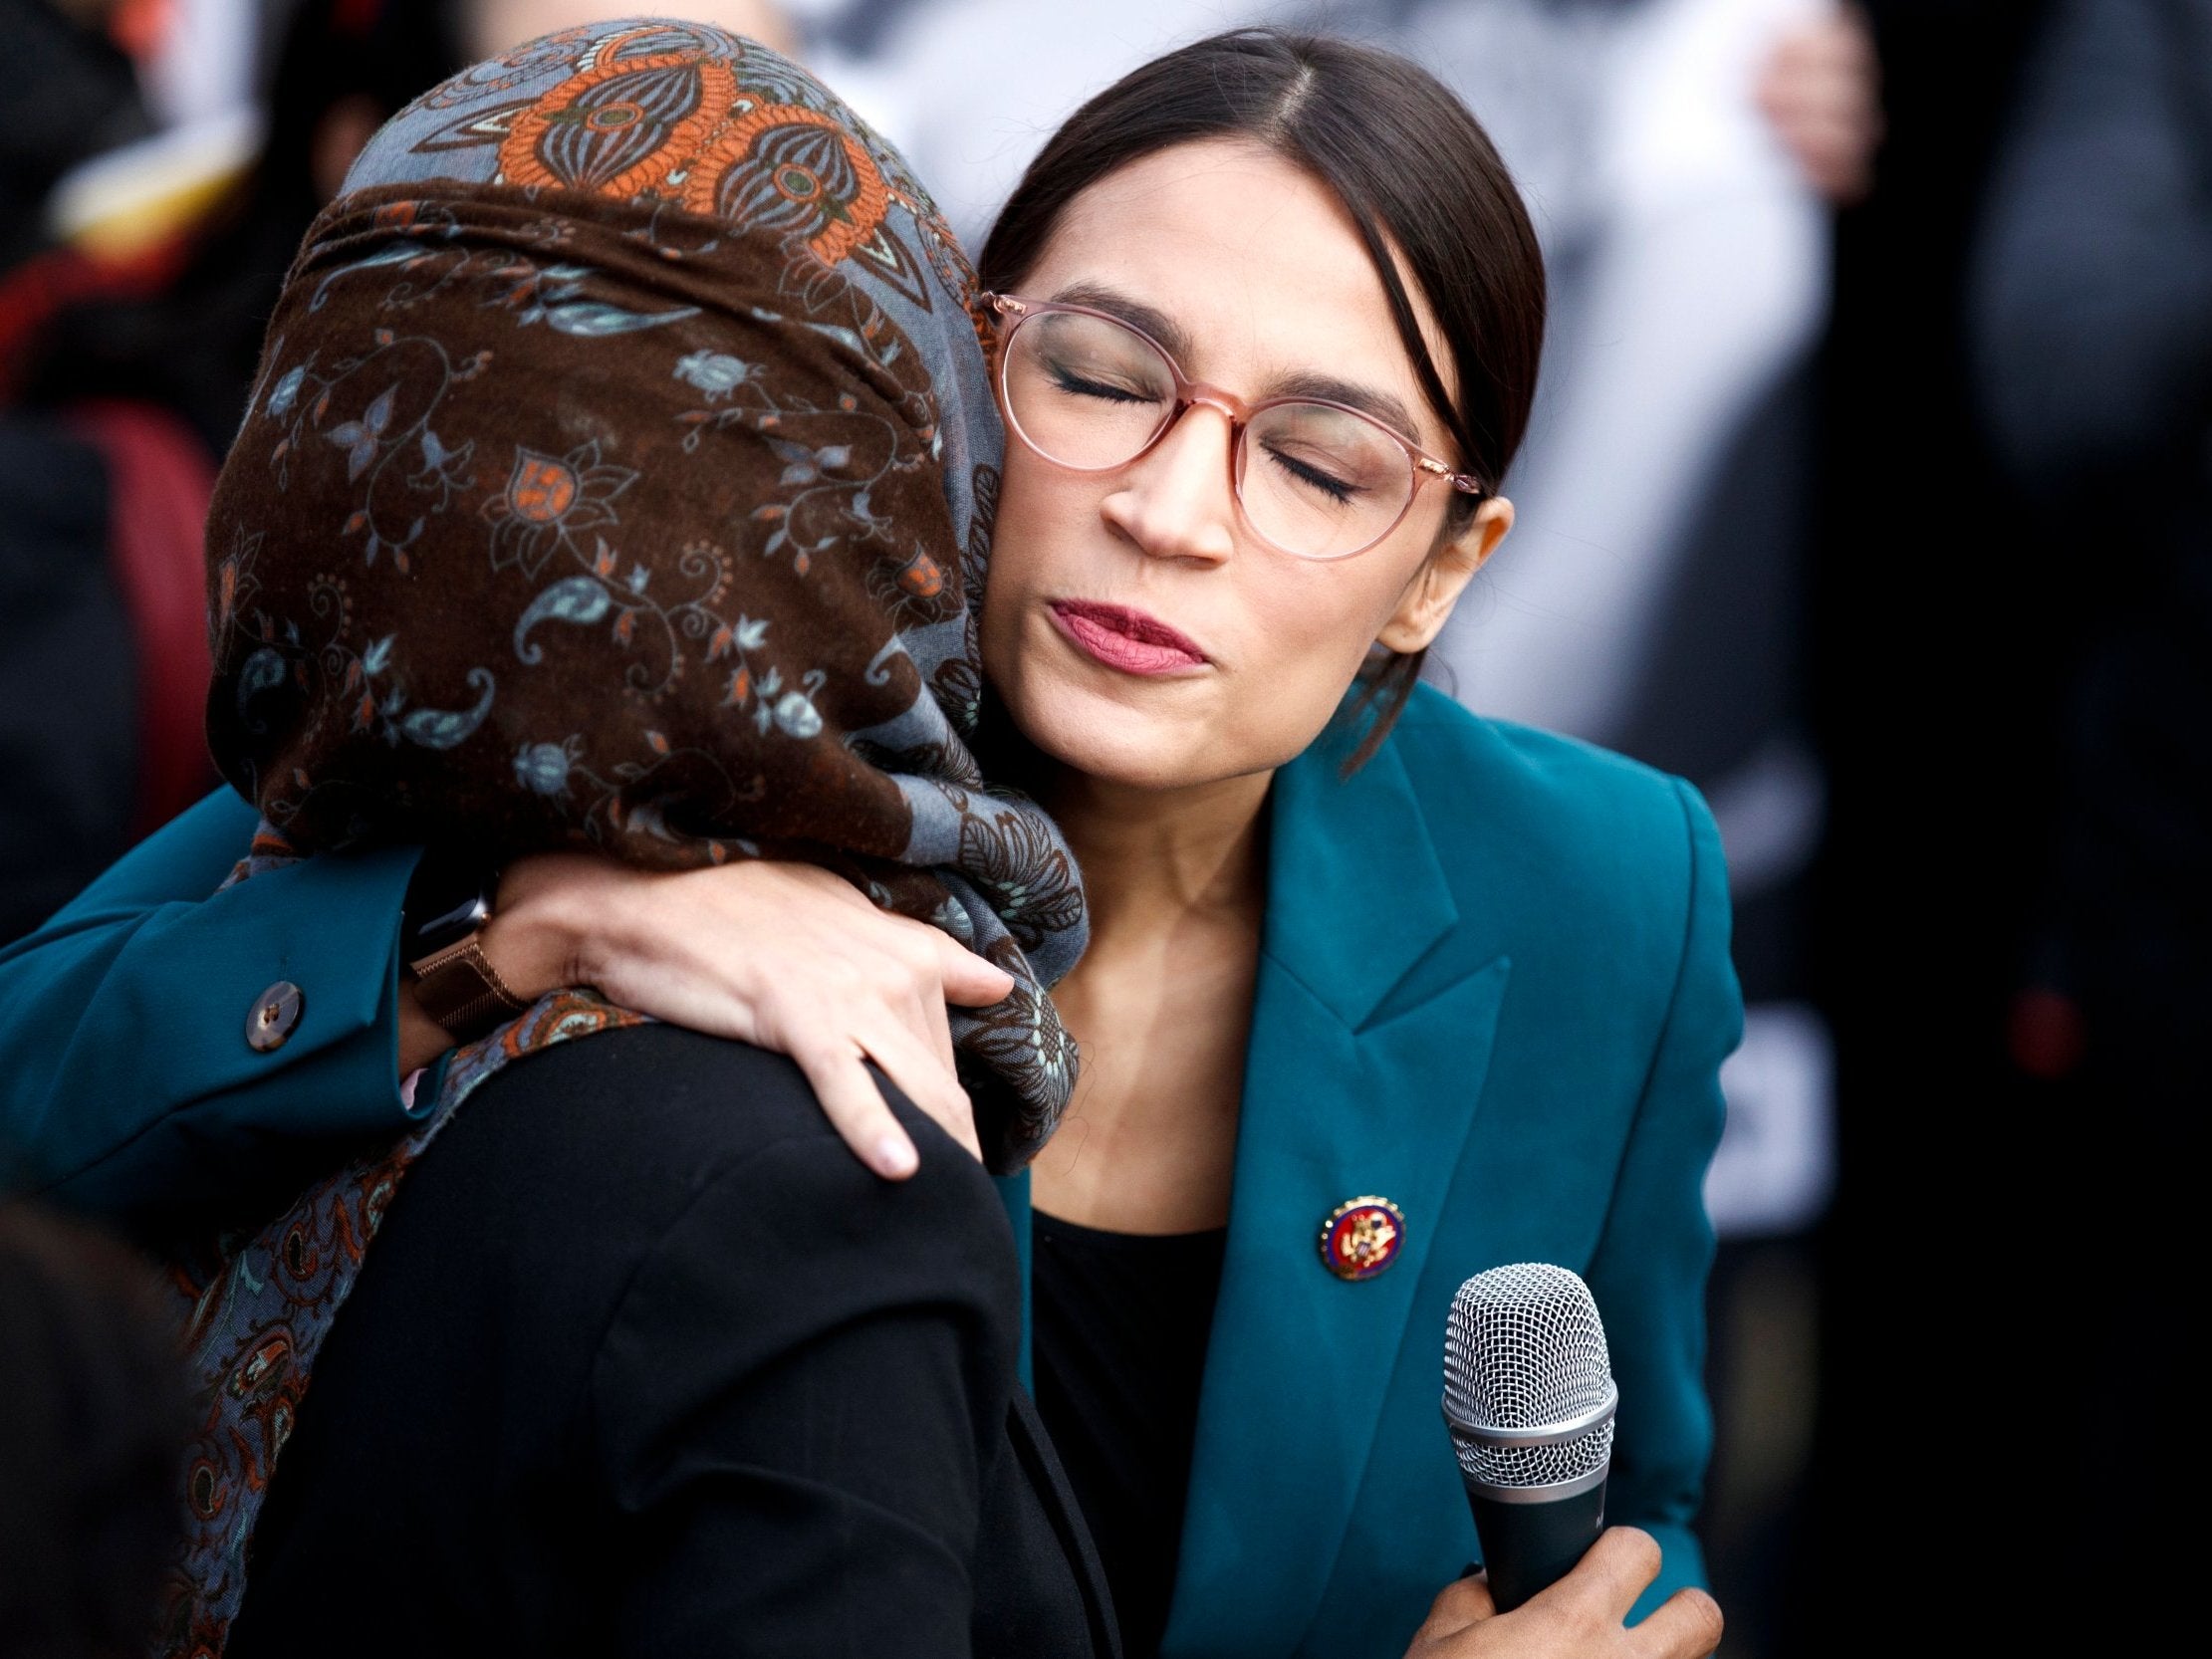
587,110
677,125
848,220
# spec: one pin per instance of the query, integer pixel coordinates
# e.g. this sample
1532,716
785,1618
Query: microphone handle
1528,1548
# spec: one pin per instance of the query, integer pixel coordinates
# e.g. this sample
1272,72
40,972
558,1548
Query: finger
1839,171
814,878
1459,1604
855,1109
919,1011
908,978
931,1021
1604,1584
970,980
962,975
1856,125
1822,143
1625,1560
1840,97
1854,34
1837,160
1688,1625
1799,103
1838,38
924,1079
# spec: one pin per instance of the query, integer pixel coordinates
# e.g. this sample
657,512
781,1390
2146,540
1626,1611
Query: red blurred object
37,290
159,481
142,27
2045,1033
354,19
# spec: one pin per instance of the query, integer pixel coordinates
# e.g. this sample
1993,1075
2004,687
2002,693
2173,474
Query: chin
1164,747
1104,738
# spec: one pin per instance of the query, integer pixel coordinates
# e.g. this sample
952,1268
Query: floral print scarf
620,477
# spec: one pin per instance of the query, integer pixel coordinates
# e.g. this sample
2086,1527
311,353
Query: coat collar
1348,1092
1355,892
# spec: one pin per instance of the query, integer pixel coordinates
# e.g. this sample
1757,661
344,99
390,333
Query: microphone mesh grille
1525,1349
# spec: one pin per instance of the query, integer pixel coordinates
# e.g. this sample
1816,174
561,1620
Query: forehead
1256,261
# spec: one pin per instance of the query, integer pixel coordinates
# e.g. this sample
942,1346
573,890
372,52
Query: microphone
1529,1397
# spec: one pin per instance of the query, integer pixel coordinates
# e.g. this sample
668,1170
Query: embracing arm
130,1086
1649,1270
126,1076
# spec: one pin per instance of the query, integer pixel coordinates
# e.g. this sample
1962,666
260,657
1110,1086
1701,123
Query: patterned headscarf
620,476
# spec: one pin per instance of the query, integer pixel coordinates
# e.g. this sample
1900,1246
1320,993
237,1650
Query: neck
1151,857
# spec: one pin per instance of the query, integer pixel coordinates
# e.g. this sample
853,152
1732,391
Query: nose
1175,501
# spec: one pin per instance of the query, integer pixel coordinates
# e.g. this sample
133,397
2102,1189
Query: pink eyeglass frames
1313,478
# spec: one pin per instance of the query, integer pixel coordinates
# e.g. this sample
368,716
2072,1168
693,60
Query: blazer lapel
1371,1032
1049,1482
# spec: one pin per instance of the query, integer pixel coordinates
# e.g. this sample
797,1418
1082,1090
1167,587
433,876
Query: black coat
644,1362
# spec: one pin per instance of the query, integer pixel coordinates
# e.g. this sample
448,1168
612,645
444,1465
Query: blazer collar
1355,892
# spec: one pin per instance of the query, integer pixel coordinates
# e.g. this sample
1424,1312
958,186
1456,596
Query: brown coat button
275,1012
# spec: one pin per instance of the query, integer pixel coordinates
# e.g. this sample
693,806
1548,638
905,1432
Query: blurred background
1869,487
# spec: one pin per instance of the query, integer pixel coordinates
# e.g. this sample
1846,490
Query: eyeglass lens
1091,393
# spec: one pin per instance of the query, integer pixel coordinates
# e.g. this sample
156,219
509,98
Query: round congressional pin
1361,1237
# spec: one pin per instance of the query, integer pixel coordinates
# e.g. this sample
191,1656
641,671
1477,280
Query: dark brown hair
1413,168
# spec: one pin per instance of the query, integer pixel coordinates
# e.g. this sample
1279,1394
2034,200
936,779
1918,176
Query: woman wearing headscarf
616,443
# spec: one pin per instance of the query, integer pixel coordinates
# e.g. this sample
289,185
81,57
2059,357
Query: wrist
551,923
421,1038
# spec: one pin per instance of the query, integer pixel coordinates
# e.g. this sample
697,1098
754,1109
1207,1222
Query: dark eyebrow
1137,314
1380,405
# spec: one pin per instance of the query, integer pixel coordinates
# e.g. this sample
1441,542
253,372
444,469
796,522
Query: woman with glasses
1377,994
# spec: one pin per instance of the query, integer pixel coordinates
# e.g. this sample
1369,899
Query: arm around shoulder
1650,1268
127,1081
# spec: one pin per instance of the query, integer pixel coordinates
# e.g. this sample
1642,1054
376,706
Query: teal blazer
1493,988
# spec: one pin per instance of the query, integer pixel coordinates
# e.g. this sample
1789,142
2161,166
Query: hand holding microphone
1583,1617
1529,1398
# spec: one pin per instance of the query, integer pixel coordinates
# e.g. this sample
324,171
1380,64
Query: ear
1427,601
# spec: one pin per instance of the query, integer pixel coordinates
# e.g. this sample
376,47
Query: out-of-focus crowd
1869,487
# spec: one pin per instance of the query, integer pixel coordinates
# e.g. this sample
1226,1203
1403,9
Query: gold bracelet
460,989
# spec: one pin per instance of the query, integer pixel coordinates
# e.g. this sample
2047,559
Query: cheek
1021,542
1310,630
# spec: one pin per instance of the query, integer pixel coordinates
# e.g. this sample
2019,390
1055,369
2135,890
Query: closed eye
1081,387
1330,485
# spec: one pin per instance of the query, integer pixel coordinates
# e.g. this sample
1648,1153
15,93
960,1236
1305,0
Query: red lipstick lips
1126,640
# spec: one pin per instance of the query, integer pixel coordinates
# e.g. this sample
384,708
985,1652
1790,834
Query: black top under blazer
646,1362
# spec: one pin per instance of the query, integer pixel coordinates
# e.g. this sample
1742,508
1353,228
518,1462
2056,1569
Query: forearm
421,1038
126,1076
127,1083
